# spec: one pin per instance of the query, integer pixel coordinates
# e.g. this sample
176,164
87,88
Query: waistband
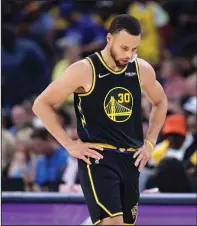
109,147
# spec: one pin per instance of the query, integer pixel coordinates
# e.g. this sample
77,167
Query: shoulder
146,71
78,72
145,66
81,66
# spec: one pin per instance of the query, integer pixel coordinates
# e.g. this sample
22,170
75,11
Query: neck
109,60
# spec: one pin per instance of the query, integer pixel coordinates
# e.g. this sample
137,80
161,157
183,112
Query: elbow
37,105
164,102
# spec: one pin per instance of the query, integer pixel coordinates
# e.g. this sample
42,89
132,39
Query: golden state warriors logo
118,104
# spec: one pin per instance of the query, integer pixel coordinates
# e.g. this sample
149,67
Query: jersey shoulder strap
93,60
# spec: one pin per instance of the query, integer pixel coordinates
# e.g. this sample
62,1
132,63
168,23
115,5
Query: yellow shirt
149,47
160,151
58,70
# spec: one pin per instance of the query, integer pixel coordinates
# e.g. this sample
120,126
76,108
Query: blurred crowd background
40,39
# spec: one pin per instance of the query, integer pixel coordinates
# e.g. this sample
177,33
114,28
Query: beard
114,57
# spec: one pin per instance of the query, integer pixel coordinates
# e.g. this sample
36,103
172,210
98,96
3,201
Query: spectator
18,116
8,147
53,160
71,55
105,13
173,83
176,140
70,174
83,32
191,82
183,18
42,30
21,168
27,105
190,109
171,177
23,68
152,19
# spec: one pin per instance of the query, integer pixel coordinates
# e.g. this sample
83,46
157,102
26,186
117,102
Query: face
18,115
40,146
122,47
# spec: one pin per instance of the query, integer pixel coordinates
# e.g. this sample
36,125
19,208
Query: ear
109,38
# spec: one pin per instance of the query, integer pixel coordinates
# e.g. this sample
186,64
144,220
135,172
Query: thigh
130,190
101,187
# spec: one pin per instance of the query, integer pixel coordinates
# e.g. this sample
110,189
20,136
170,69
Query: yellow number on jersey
124,98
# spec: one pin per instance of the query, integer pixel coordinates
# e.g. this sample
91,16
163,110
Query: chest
107,81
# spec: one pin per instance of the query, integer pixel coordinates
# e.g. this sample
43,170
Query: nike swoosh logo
102,76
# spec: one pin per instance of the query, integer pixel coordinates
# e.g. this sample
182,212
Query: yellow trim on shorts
97,222
93,82
108,68
96,197
138,74
113,147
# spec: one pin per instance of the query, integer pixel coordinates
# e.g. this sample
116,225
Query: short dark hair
127,23
41,133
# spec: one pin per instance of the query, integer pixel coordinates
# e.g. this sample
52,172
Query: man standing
107,87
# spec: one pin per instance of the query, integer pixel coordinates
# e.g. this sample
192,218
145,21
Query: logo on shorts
134,211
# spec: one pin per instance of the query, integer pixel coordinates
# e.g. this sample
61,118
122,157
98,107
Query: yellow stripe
95,195
97,222
138,74
94,79
112,147
105,65
82,117
150,144
193,158
104,145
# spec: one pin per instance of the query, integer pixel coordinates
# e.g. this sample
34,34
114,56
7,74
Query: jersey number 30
124,98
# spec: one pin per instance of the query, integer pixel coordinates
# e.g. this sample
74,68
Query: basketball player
112,151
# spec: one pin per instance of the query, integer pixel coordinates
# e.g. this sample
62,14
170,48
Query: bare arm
77,75
157,97
54,94
155,94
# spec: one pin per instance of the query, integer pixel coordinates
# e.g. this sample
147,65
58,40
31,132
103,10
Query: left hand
143,155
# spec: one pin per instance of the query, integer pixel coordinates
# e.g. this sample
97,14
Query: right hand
81,150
